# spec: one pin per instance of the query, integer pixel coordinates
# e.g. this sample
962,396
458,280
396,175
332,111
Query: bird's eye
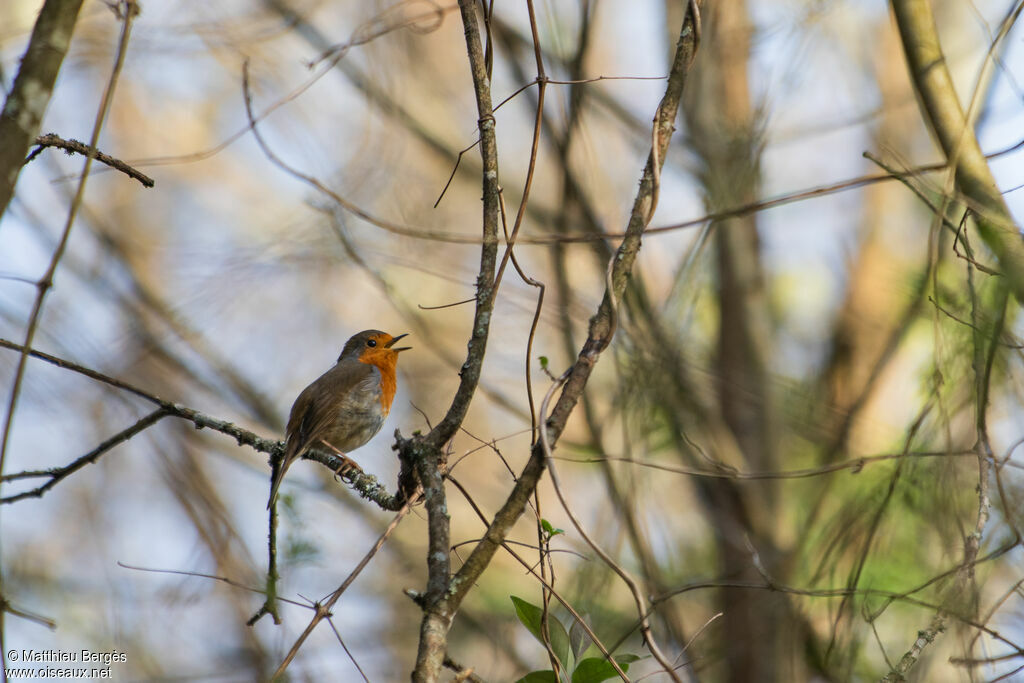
371,342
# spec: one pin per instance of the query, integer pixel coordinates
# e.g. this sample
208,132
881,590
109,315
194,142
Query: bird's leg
347,464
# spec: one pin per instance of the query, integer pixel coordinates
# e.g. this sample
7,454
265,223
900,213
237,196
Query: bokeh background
793,338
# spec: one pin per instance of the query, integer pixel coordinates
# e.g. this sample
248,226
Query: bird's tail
273,491
278,478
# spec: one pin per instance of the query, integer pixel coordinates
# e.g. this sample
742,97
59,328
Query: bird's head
372,346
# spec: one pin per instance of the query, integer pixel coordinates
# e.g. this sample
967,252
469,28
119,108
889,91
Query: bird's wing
316,408
364,391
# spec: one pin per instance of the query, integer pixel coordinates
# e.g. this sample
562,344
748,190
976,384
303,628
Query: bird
346,406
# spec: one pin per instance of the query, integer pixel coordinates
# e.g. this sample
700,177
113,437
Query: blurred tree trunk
723,130
870,313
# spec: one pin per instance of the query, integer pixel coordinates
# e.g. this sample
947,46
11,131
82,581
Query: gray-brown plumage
346,406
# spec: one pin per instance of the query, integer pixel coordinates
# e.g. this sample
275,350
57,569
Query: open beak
394,339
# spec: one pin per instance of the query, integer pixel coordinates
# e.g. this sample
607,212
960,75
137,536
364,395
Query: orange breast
388,386
386,363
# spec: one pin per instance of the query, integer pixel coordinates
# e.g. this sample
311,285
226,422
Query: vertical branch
941,108
575,205
426,453
437,615
24,108
973,179
543,547
602,324
443,595
485,285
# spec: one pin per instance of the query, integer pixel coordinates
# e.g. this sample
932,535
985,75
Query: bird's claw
347,466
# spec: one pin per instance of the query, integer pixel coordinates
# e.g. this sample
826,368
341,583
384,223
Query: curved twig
74,146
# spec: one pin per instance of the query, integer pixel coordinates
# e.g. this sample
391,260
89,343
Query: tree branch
602,327
24,108
941,108
366,485
426,452
74,146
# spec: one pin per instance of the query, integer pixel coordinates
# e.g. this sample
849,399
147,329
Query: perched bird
346,406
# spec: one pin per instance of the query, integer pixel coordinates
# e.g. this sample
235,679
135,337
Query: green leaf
543,362
549,529
547,676
531,616
594,670
578,638
597,669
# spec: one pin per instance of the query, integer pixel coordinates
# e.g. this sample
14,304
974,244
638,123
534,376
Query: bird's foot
347,466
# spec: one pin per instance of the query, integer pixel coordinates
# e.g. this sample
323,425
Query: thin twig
345,648
546,567
853,465
462,673
381,25
223,579
7,608
575,81
58,474
940,105
323,610
71,145
455,168
845,592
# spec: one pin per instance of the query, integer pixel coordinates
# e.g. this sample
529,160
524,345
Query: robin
346,406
